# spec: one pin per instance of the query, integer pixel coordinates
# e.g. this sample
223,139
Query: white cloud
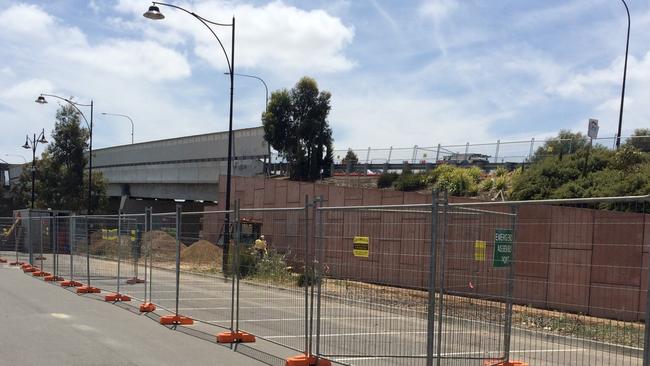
438,10
28,89
274,36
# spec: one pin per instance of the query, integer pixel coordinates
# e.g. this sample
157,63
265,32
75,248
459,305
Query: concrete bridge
183,168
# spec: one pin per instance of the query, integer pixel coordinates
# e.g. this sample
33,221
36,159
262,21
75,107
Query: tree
295,124
565,143
640,139
61,174
350,157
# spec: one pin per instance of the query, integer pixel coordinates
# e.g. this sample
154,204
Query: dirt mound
202,252
161,242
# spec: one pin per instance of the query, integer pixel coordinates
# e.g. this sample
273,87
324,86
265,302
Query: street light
266,88
41,100
627,45
121,115
155,14
32,144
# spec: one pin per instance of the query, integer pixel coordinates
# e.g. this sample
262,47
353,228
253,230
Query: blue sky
402,73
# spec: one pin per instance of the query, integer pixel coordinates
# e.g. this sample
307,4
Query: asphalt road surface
351,332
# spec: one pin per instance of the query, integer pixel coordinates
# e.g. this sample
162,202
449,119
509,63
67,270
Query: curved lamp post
266,88
32,144
18,156
627,45
122,115
155,14
75,105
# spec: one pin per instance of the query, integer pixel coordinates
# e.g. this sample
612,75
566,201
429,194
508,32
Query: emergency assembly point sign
502,248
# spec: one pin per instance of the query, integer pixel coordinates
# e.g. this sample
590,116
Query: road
352,332
41,324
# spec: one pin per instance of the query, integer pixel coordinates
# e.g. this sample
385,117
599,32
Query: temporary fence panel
475,284
274,287
206,294
580,282
7,242
372,275
163,246
130,275
45,258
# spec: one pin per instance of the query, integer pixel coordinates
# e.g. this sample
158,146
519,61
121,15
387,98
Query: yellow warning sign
361,246
479,251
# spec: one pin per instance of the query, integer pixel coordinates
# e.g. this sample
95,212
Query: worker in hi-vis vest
260,247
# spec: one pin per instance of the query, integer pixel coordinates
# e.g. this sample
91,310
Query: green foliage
640,139
61,174
272,268
387,179
410,182
565,143
295,124
455,180
607,173
350,157
628,158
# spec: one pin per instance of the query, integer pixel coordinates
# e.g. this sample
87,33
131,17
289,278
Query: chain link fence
553,282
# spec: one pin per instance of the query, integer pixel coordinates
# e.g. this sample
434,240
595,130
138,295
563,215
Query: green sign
502,248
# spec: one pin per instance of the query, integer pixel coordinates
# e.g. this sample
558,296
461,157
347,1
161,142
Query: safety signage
479,250
361,246
502,248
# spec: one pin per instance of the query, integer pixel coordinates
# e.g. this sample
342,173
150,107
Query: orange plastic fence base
116,297
16,263
40,258
147,307
30,269
88,290
303,360
70,283
176,320
134,280
503,363
52,278
2,260
40,274
235,337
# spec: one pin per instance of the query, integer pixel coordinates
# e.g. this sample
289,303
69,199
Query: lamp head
26,146
42,140
41,100
153,13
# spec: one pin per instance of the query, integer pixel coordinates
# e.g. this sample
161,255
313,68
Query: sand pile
161,241
202,252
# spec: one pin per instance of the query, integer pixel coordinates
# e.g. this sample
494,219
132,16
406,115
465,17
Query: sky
401,73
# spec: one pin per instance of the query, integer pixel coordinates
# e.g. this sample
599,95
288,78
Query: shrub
273,268
410,182
386,180
459,181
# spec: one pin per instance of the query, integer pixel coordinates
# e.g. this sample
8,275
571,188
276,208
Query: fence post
71,230
177,319
237,260
646,335
432,279
306,275
55,242
496,153
510,287
119,248
15,226
147,306
40,228
318,252
441,296
29,238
